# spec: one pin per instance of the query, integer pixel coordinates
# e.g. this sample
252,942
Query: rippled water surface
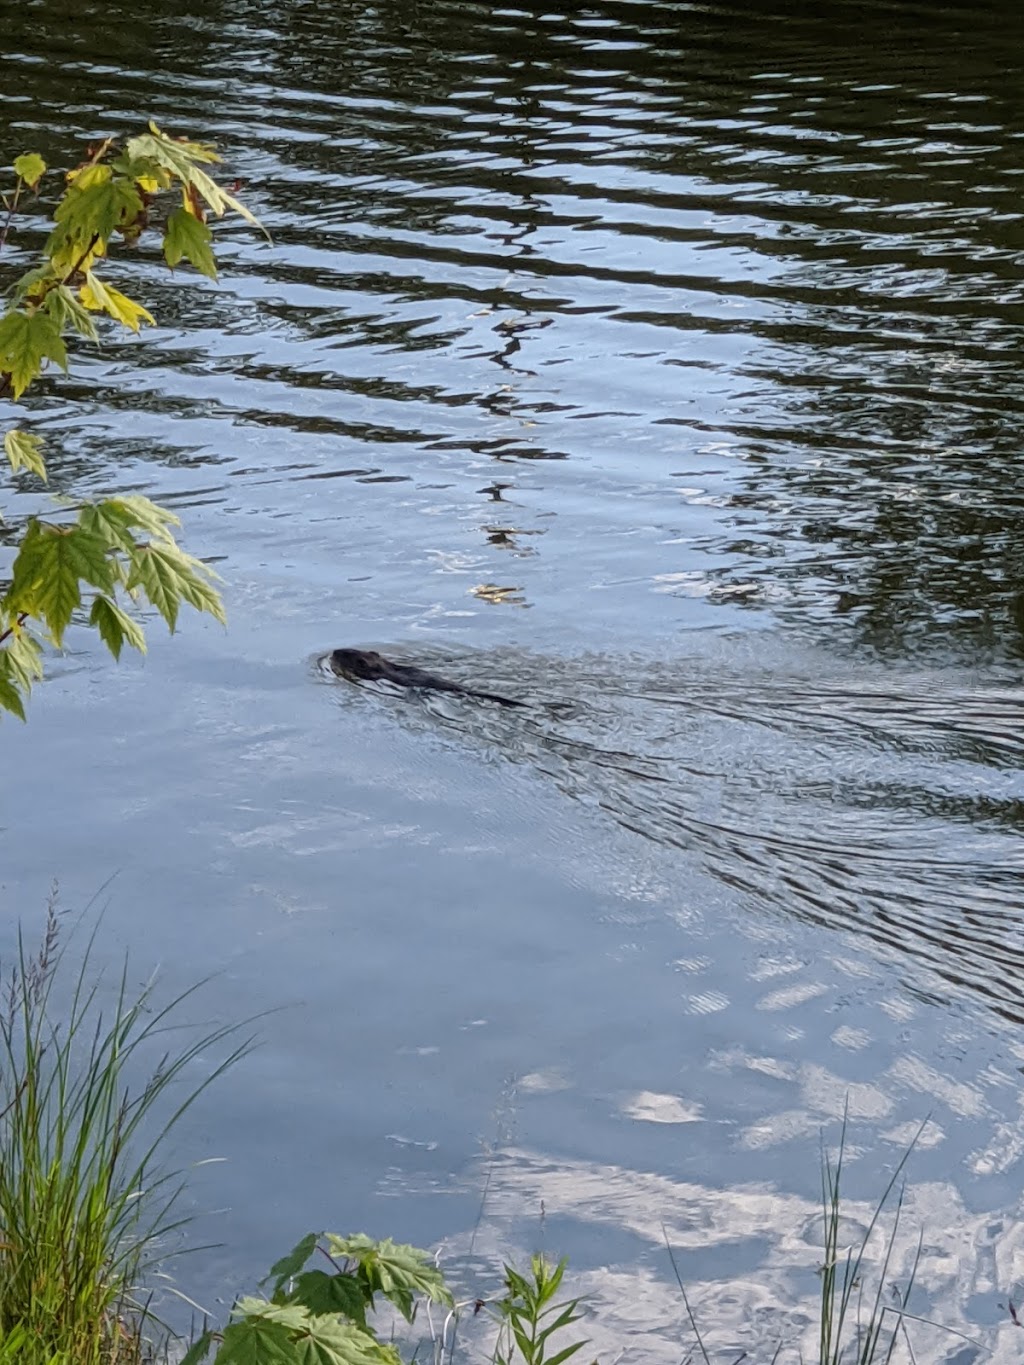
658,365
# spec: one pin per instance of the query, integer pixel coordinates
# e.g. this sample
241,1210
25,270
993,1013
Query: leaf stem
22,618
12,209
79,263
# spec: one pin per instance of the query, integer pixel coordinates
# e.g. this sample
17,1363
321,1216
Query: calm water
659,365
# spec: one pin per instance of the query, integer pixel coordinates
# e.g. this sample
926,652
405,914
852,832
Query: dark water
659,365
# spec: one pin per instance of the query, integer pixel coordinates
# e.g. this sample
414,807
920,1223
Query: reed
857,1325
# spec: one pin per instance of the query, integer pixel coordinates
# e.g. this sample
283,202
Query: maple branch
22,618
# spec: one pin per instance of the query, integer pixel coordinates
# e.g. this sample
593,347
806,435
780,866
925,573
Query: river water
659,366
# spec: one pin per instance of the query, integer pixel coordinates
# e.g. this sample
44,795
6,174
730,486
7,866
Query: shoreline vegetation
89,1094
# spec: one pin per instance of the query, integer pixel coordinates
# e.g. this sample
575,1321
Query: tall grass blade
682,1289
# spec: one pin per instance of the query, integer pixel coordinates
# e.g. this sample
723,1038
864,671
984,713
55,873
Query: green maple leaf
180,159
31,168
289,1266
49,569
20,666
323,1293
255,1342
27,341
146,515
115,628
34,284
63,305
175,155
188,238
104,298
96,204
288,1334
199,1350
25,452
169,577
393,1269
23,655
110,521
10,695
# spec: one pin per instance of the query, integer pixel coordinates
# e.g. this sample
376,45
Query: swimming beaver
358,664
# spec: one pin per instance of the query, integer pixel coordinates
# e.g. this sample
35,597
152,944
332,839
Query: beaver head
358,663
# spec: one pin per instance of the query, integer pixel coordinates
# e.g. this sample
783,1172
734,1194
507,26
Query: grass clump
854,1326
86,1104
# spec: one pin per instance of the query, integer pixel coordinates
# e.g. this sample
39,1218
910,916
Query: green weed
325,1315
530,1321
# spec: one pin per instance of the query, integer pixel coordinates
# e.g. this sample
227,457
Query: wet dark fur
360,665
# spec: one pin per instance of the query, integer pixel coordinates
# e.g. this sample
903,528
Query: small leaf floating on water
491,592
